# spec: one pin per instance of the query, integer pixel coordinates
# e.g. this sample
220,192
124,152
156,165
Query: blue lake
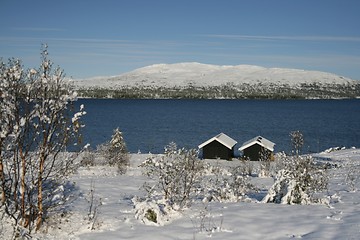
149,125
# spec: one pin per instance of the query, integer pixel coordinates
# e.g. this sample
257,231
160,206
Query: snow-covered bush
297,182
240,183
115,152
87,158
247,166
154,212
281,161
177,175
224,186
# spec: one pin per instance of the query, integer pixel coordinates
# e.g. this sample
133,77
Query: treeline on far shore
229,91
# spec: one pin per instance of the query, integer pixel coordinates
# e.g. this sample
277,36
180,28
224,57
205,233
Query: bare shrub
205,221
94,204
297,141
88,158
240,183
265,163
281,161
247,167
230,187
177,175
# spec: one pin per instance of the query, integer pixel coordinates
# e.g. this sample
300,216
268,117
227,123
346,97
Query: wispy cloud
39,29
85,42
285,38
112,46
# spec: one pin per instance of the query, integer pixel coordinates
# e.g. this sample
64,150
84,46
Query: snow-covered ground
206,75
251,219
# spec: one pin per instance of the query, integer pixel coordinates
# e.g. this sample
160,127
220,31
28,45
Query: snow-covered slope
198,75
196,80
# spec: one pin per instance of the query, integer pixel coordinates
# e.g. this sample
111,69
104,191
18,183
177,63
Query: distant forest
228,91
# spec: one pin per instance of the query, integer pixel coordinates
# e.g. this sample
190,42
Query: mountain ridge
237,78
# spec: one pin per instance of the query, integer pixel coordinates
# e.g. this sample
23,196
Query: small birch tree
37,124
54,125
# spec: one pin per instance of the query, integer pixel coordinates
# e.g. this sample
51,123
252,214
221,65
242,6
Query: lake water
149,125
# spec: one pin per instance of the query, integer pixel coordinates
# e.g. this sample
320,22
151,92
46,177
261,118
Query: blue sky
110,37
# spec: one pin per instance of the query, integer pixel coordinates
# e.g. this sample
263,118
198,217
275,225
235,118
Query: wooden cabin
221,146
258,148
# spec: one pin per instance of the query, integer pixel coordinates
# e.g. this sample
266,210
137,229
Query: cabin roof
221,138
258,140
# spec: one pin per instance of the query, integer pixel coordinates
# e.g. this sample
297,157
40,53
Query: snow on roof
221,138
258,140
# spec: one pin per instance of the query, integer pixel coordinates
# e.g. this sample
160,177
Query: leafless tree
177,173
37,125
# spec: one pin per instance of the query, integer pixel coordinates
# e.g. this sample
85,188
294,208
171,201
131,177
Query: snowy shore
115,217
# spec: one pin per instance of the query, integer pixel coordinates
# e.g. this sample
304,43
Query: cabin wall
216,150
253,152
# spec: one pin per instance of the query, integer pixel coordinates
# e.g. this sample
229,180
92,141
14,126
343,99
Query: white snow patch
121,215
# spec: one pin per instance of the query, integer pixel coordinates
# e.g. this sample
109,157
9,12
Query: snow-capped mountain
196,75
